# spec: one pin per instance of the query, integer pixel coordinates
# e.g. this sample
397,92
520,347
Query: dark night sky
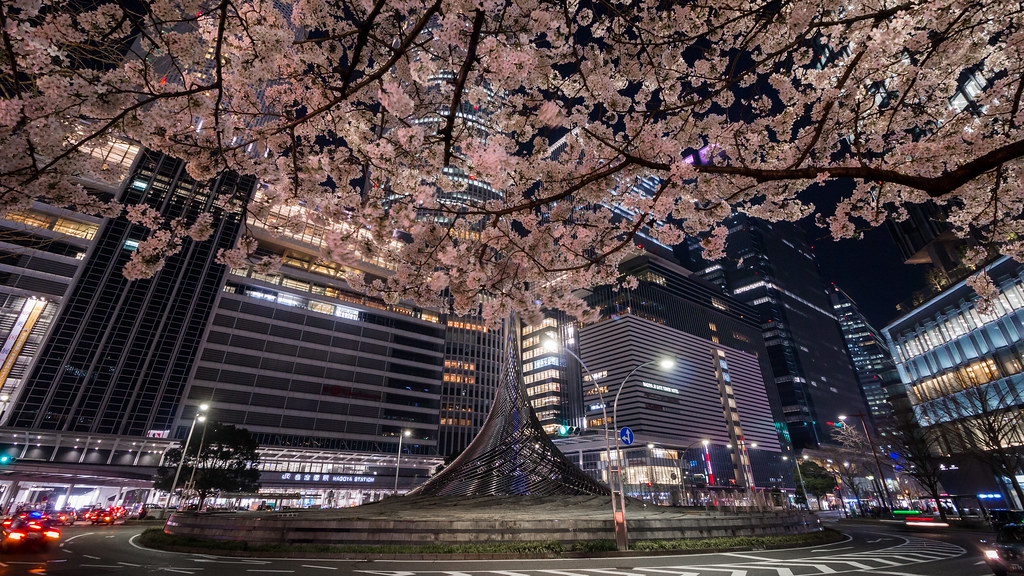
870,270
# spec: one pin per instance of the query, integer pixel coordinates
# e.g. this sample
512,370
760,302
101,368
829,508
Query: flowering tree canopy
486,146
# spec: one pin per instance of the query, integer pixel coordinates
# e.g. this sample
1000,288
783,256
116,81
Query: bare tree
851,465
918,450
981,420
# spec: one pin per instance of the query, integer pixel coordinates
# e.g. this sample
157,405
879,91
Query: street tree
352,115
981,420
224,460
851,466
817,481
918,451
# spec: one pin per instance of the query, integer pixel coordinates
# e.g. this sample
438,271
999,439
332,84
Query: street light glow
667,363
204,407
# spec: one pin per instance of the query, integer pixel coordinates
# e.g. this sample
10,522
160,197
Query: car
104,517
1001,517
28,531
1005,556
86,513
64,517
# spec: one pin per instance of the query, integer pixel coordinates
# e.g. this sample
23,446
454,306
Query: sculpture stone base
444,520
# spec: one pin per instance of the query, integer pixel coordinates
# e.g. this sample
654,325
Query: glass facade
118,357
868,352
946,345
770,267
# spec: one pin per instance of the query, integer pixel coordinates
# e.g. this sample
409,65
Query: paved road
869,549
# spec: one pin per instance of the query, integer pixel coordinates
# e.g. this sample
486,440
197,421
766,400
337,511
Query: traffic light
564,430
6,459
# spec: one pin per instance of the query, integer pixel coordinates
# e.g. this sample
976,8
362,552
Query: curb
372,556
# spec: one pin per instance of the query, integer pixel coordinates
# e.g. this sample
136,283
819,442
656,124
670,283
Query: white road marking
274,571
100,566
833,549
613,571
320,567
181,570
78,536
61,560
226,561
674,572
128,564
823,568
750,556
92,557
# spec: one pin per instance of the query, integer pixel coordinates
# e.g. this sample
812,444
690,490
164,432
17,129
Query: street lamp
398,463
666,364
878,464
200,417
619,521
807,500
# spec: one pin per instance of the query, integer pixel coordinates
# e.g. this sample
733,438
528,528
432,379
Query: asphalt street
868,549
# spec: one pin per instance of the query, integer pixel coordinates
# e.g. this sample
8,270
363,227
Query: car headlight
992,554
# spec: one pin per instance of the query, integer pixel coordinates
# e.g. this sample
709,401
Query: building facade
964,366
711,422
770,268
872,362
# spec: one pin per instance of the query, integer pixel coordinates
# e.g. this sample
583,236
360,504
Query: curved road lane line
76,536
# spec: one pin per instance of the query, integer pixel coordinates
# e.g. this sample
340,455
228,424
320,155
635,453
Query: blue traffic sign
626,435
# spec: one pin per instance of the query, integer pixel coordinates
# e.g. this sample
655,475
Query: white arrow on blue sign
626,435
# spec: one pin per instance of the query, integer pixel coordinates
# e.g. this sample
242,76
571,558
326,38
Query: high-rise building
42,251
870,356
717,392
963,369
770,267
119,355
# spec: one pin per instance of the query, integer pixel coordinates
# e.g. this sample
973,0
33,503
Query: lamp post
800,475
200,417
621,540
878,464
192,477
666,364
398,462
4,399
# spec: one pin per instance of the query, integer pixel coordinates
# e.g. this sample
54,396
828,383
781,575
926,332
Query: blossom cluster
491,148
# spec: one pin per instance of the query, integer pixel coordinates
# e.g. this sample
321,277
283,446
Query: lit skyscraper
770,267
872,362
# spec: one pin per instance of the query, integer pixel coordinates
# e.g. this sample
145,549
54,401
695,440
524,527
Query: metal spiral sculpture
512,454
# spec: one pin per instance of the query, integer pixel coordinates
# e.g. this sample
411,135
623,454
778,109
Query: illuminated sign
301,477
660,388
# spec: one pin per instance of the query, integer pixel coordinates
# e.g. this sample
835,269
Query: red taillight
16,535
51,534
34,526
